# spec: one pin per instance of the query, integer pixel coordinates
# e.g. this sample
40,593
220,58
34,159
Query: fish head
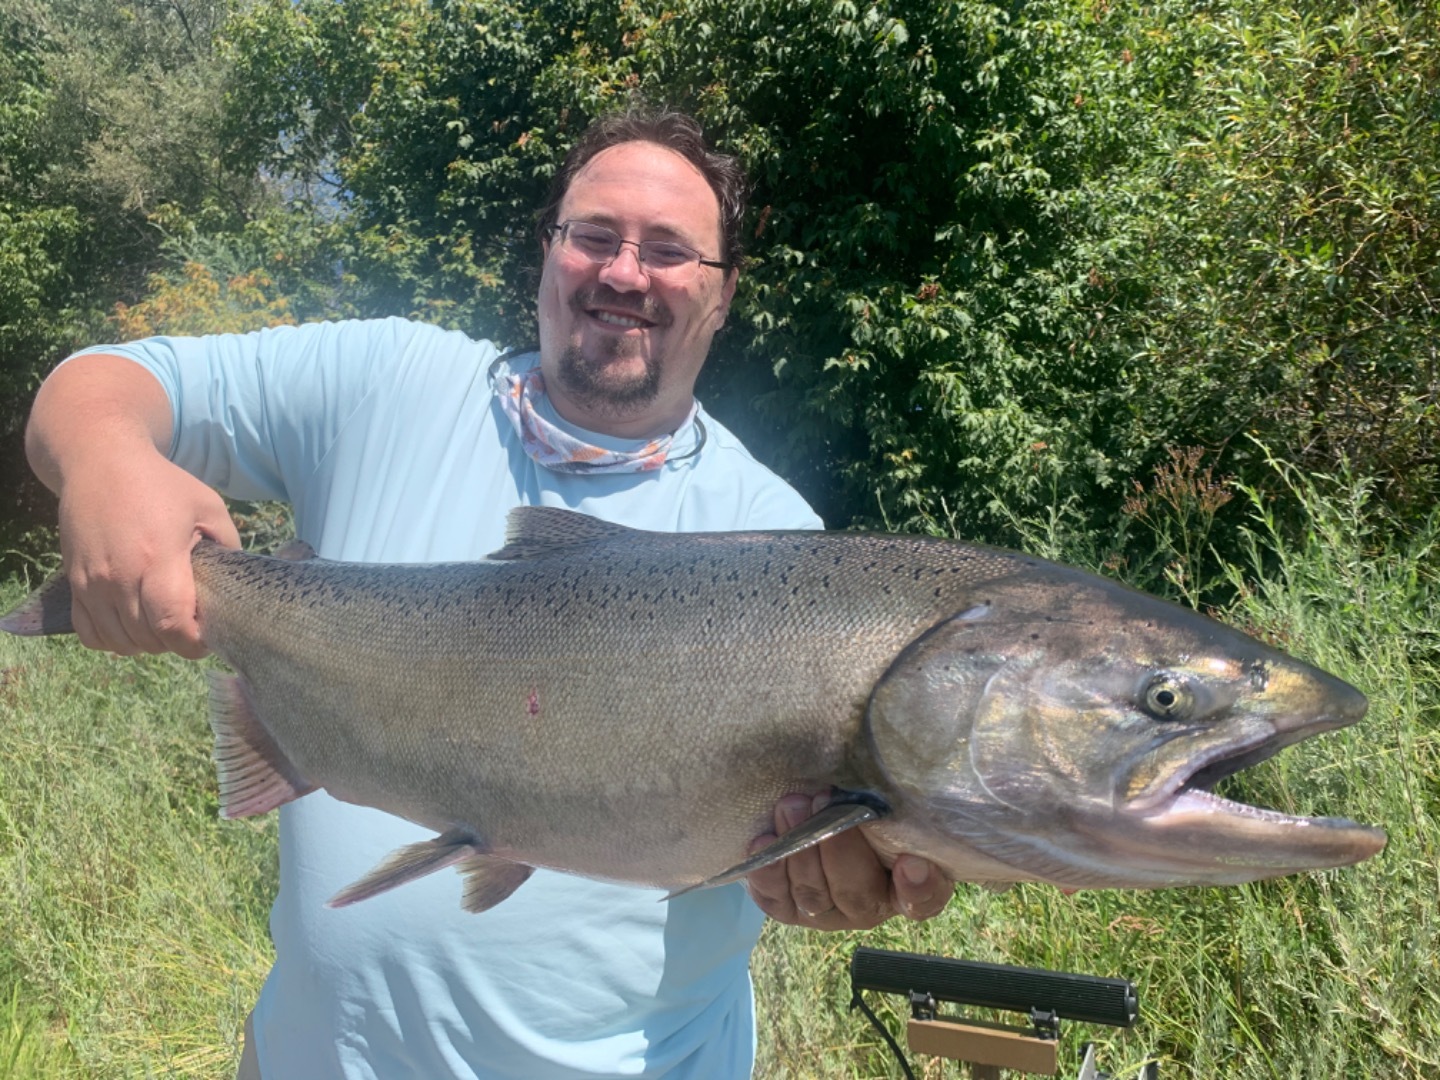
1071,730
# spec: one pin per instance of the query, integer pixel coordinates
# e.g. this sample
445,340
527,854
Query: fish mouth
1259,836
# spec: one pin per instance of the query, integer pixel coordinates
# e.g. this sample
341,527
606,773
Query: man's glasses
661,258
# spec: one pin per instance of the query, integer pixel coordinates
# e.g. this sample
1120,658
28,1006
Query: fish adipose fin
833,820
255,775
294,551
488,879
44,612
533,531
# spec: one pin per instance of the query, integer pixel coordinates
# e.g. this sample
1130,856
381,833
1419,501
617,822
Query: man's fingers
857,880
167,610
921,889
809,888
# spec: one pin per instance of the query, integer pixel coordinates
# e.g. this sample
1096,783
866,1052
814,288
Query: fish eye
1168,698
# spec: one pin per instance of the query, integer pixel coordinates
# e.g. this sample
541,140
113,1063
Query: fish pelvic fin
44,612
488,879
832,821
533,531
255,775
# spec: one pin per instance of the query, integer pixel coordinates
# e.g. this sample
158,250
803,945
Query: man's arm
98,437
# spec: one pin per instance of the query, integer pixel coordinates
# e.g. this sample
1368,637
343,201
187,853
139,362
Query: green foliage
109,114
998,253
1301,249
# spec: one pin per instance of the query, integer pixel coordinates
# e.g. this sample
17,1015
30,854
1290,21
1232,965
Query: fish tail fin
44,612
488,879
255,775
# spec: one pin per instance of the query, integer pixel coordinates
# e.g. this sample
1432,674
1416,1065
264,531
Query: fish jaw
1076,743
1172,807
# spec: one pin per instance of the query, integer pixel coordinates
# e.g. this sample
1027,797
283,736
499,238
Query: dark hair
674,131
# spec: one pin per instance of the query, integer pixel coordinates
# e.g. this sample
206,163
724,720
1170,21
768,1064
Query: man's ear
727,291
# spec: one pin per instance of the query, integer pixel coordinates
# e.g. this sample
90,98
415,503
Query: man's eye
593,243
666,254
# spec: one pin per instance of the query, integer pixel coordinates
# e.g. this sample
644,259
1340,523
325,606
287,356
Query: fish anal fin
534,531
44,612
831,821
489,880
255,775
409,863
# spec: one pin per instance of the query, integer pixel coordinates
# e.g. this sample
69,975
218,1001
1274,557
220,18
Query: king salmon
630,705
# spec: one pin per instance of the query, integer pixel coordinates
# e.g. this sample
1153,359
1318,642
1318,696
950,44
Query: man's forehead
643,178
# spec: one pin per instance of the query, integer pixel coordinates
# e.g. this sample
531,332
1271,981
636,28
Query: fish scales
463,669
631,705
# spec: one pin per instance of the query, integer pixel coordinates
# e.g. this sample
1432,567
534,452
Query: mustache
639,305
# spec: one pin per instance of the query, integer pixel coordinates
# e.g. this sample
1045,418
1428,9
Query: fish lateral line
845,813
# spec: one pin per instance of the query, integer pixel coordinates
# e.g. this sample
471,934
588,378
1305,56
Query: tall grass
132,921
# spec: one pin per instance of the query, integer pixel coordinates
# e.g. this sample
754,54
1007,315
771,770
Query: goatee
597,386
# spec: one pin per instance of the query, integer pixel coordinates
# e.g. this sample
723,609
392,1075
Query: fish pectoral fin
255,774
833,820
409,863
489,879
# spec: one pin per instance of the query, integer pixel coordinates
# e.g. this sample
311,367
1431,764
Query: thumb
218,526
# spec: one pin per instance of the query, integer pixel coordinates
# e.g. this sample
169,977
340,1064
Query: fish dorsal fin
534,531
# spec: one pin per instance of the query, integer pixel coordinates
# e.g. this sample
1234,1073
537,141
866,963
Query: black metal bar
1087,998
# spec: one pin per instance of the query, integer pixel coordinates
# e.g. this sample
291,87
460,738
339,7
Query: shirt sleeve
254,414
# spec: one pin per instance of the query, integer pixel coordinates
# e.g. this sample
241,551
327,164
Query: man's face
621,349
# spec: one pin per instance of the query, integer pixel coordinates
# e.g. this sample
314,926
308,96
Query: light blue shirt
387,439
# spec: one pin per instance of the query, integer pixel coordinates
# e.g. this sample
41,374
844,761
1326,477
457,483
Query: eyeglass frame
563,227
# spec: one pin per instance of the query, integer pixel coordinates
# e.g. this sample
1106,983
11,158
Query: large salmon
630,705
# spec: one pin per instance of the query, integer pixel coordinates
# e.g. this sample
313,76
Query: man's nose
625,271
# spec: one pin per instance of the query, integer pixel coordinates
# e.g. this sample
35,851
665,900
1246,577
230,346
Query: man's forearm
99,405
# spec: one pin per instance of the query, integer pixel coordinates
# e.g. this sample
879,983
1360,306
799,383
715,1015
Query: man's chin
617,386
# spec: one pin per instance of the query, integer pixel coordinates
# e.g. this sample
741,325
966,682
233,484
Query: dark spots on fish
1034,637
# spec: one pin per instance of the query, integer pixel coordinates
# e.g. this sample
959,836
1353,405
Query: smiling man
399,442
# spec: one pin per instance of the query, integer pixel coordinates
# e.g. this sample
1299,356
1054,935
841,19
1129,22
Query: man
399,442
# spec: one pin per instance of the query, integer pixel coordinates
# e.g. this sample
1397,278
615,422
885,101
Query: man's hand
840,883
126,532
128,516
